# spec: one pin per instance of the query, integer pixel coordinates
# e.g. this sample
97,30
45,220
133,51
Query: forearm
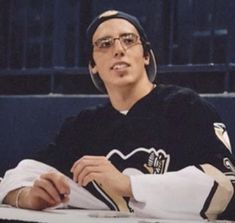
16,197
181,194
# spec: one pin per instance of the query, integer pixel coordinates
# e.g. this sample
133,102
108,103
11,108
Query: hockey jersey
171,143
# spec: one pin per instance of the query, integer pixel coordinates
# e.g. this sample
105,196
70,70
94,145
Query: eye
104,43
129,39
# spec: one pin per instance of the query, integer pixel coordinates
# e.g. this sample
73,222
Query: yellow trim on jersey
223,194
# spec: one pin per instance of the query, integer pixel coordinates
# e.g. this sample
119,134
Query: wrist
128,190
20,197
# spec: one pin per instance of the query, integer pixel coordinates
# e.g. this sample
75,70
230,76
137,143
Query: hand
49,190
101,170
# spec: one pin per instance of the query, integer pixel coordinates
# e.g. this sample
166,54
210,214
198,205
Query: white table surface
80,216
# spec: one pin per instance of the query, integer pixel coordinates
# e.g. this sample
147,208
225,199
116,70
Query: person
156,150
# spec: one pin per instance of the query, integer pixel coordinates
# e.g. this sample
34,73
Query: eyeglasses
127,40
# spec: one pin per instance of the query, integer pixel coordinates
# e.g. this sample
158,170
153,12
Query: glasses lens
129,39
104,43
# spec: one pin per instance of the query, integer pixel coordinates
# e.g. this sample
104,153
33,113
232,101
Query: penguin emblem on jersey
231,173
158,162
139,161
222,135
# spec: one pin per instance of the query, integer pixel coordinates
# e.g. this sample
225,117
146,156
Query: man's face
121,61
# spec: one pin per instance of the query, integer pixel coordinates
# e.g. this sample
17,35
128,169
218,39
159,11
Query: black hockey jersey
167,131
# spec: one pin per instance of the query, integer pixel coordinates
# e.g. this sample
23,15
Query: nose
118,48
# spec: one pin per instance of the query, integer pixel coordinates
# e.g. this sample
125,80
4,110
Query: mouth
120,66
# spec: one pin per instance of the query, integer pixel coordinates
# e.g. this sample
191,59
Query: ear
93,69
146,59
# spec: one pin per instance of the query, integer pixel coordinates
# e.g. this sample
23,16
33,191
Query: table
76,216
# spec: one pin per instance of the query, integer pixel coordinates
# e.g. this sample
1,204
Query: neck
126,97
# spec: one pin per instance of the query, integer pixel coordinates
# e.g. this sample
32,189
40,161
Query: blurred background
43,43
43,61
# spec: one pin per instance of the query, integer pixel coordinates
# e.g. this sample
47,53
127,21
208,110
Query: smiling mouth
119,66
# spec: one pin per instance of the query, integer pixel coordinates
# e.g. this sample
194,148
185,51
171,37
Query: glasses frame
111,40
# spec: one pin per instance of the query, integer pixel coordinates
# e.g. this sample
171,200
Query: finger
92,158
90,170
44,196
59,181
77,162
49,188
93,176
87,162
99,173
74,166
45,200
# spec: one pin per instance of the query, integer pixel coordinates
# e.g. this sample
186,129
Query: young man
160,151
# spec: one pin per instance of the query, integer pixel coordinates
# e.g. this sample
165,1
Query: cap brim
152,67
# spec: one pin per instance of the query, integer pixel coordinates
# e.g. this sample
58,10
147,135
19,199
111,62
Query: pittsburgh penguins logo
221,133
139,161
231,173
158,162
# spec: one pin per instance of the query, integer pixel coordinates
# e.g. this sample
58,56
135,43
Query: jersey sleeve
204,185
185,194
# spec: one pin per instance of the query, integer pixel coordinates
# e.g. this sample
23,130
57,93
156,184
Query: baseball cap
151,68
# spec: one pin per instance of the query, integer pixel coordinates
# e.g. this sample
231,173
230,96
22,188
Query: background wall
43,43
43,53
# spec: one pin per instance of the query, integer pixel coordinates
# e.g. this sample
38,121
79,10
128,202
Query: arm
101,170
33,185
41,195
27,175
199,144
189,193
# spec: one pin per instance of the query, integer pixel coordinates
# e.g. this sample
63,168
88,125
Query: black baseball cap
111,14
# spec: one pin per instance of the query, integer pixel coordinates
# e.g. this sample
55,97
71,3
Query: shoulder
169,93
81,124
96,112
184,102
173,95
88,115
